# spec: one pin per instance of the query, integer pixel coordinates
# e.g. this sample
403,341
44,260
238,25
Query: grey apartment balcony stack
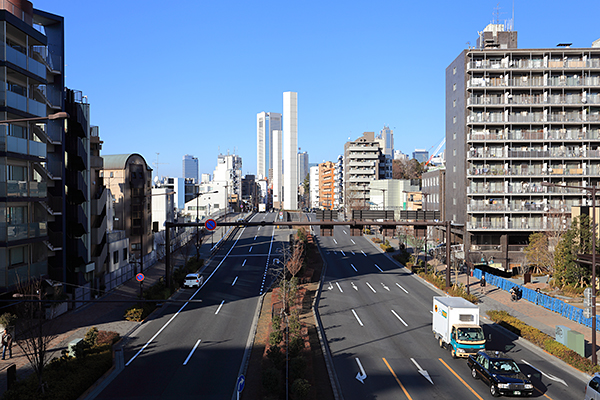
517,118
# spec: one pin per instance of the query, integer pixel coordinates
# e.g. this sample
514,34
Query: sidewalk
493,298
105,316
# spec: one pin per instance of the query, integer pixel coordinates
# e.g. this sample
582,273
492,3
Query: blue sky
189,77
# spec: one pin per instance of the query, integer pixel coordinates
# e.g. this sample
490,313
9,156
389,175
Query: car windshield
504,367
470,333
191,277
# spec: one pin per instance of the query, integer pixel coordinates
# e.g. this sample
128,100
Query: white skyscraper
290,144
314,186
266,123
302,166
277,173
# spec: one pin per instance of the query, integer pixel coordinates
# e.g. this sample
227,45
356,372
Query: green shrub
300,389
276,356
276,322
91,336
139,312
271,380
439,281
295,346
275,338
297,367
386,247
8,319
376,240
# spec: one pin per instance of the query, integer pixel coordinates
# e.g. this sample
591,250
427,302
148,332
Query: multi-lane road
195,350
377,322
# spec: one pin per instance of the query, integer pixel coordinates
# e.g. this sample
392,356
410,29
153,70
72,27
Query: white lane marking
250,251
255,237
191,352
219,309
551,377
345,233
186,303
378,268
335,241
354,286
262,285
385,287
371,287
259,227
397,316
358,319
422,371
362,375
334,252
397,284
234,281
353,253
353,267
339,287
330,286
244,263
344,254
363,253
352,241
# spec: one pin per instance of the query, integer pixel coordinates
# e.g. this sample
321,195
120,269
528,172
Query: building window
124,254
16,255
115,257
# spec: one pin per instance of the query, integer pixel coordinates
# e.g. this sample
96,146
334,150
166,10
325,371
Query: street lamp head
18,295
58,115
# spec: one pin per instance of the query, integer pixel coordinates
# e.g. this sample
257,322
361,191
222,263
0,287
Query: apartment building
362,159
31,153
516,121
229,173
326,184
314,187
338,183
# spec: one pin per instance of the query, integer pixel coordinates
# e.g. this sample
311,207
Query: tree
576,240
537,253
34,336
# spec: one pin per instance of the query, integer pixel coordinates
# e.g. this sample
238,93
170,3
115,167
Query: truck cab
466,340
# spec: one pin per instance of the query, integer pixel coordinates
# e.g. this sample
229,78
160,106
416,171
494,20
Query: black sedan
501,373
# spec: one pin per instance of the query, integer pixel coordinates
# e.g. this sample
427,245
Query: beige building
326,171
129,177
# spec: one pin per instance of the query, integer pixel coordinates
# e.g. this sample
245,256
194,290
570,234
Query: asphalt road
196,350
377,321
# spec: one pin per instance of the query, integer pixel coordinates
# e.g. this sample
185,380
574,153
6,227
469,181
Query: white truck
456,326
262,207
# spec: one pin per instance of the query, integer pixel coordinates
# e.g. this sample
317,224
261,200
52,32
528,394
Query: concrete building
517,119
362,158
266,123
228,173
129,178
314,187
393,194
338,183
190,167
433,189
163,207
326,184
421,155
290,144
398,155
277,170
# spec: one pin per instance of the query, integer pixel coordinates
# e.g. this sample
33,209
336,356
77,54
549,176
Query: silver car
592,389
193,280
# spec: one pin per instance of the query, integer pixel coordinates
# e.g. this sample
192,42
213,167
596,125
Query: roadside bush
139,312
300,389
297,368
439,281
275,338
386,247
276,356
376,240
276,322
295,346
91,336
403,257
271,380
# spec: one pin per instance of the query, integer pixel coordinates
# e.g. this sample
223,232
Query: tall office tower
302,166
421,155
190,167
290,144
32,156
277,172
386,141
266,123
516,121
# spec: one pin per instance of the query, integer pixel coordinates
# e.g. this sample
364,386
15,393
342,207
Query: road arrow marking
378,268
371,287
551,377
397,284
352,240
385,287
353,267
339,287
422,371
344,254
354,286
330,286
362,375
363,253
397,316
358,319
334,241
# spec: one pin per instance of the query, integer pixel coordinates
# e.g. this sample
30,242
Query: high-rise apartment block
326,172
314,187
516,121
190,167
266,123
290,144
338,183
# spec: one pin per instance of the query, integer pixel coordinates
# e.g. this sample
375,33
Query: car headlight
528,386
503,385
460,350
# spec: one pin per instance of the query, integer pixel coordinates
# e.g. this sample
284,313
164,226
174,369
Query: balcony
22,146
12,232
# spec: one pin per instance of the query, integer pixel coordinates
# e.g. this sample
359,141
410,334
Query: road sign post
140,278
240,385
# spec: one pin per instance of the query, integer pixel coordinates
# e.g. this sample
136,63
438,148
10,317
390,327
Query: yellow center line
460,379
398,380
543,394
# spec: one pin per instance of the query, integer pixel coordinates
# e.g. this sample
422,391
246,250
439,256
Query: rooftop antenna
156,164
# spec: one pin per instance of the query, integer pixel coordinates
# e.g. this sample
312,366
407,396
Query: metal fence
542,299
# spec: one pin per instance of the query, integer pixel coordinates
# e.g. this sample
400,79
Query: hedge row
439,281
543,341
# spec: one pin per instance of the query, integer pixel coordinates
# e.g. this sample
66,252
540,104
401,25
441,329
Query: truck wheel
441,343
452,352
474,373
494,390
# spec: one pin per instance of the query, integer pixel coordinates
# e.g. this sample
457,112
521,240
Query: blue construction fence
542,299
